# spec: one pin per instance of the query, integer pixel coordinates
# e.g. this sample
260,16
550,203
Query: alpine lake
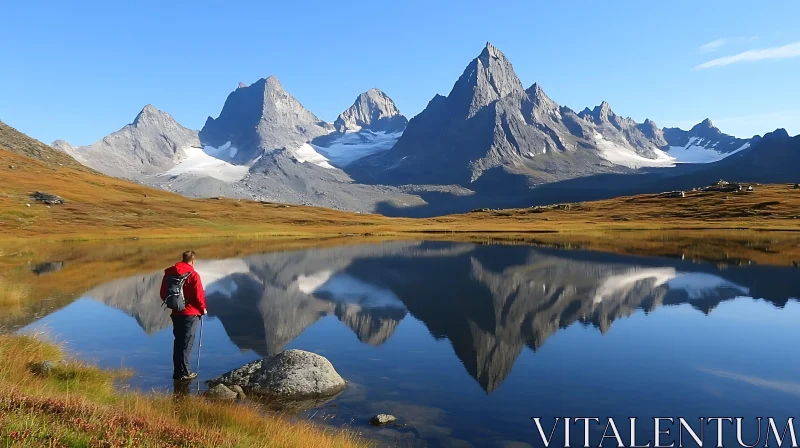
464,343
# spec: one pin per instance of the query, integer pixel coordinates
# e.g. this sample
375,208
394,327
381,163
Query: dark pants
183,327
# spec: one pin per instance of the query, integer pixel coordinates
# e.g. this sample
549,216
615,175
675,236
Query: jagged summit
486,79
599,114
706,130
372,110
262,117
541,101
242,85
705,125
490,124
653,132
150,115
603,110
152,143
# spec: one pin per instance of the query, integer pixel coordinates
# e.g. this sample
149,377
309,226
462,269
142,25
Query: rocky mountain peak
262,117
372,110
653,132
603,111
541,100
149,114
777,134
535,91
486,79
599,114
63,146
153,143
705,129
490,51
242,85
273,82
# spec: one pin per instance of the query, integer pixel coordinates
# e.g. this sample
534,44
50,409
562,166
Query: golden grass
77,405
12,297
101,207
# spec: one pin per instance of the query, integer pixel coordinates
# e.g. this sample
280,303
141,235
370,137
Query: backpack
175,299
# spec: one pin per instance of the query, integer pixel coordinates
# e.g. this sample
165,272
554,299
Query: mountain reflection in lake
465,343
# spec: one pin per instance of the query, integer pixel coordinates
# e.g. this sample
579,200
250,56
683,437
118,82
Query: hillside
14,141
102,207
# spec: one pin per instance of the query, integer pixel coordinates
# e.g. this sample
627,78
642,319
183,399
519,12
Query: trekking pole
199,346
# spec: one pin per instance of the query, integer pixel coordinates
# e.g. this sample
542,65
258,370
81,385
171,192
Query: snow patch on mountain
621,155
307,153
217,275
620,285
352,146
197,161
698,285
699,151
226,151
345,288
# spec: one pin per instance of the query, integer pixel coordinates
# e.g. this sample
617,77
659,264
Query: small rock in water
382,419
221,392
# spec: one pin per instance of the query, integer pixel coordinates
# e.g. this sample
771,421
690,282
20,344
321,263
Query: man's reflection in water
181,389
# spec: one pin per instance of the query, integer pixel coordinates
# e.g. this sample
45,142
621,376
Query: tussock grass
75,404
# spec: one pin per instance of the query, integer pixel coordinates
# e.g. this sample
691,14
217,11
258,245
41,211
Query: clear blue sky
80,70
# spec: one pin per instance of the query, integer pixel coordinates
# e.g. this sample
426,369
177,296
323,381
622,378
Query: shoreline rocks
221,392
289,375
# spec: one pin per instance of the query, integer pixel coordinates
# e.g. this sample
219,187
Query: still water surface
465,343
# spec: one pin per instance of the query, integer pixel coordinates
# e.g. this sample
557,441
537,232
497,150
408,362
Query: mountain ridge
490,137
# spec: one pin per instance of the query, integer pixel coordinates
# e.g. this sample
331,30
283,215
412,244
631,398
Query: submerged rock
293,374
382,419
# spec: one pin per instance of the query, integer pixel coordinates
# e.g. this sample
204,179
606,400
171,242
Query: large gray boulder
292,375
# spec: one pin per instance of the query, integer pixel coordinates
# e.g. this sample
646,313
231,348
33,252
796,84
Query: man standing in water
184,322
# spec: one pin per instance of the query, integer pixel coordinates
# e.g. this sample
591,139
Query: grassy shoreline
75,404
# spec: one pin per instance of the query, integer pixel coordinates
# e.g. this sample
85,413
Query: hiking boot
188,377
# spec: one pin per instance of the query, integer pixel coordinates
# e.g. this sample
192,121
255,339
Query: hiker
182,292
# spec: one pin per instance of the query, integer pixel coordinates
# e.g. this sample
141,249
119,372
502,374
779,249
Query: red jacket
192,289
